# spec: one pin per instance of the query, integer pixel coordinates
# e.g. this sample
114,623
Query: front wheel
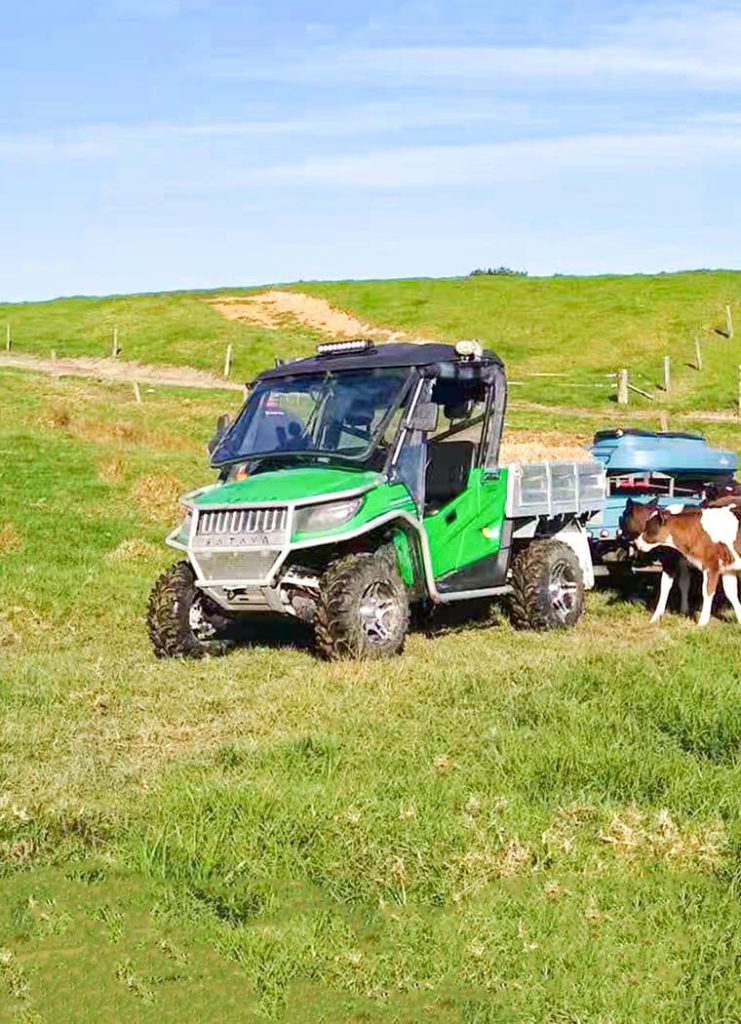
182,622
363,608
547,586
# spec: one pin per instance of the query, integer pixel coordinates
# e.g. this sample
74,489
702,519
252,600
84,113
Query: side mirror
222,425
425,417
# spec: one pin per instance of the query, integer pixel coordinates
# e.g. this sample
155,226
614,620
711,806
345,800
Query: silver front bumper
239,547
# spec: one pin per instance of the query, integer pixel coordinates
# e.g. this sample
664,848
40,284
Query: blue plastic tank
688,458
643,451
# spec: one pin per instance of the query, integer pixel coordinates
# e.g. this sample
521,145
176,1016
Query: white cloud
425,166
108,141
496,64
695,45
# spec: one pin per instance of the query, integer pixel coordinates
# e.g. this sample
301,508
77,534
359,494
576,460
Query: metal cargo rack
555,488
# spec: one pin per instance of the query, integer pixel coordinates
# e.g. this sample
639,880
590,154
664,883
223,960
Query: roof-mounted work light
331,348
469,349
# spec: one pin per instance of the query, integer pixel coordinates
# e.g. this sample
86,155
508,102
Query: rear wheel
547,586
363,608
182,621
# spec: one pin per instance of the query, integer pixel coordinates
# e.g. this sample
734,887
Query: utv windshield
345,415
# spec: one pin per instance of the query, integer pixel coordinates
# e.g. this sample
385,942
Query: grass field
587,326
495,827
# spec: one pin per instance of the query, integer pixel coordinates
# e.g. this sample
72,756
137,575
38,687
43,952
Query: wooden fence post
663,421
7,337
698,353
622,386
729,322
667,374
114,348
228,360
137,392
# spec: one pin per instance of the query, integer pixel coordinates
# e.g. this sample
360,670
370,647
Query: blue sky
154,144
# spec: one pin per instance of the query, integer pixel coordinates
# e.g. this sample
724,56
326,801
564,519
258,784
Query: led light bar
335,347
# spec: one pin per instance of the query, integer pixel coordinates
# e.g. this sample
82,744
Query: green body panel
376,502
288,485
464,531
476,528
404,558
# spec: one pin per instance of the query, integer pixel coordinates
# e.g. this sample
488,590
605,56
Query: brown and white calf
674,568
710,539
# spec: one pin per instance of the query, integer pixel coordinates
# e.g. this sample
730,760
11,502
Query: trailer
668,468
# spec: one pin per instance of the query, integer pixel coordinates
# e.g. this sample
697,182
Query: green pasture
495,827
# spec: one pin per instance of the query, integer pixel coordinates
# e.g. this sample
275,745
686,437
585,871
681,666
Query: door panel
469,527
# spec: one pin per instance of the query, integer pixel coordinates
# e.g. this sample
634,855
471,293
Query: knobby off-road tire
182,622
363,608
547,587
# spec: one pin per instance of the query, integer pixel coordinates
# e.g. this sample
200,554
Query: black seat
449,464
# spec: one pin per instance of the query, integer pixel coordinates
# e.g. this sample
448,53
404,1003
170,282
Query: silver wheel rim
379,612
563,589
201,627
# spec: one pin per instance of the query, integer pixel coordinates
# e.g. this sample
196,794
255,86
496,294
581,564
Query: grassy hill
588,327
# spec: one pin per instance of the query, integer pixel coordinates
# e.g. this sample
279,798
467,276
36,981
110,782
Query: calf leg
730,586
665,586
684,586
709,583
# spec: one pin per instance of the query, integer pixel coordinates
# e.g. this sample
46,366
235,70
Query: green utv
363,481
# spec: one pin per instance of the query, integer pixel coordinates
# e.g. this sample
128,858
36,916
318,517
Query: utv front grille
235,566
241,527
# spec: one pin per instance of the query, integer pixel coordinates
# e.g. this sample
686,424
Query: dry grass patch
486,860
157,495
562,833
132,550
10,539
539,446
56,417
636,835
122,432
111,471
8,635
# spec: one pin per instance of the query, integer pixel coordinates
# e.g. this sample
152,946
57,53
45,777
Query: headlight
320,518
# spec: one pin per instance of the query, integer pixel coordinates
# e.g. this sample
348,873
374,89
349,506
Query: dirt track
117,370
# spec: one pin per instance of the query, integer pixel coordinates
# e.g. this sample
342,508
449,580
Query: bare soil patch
117,370
274,309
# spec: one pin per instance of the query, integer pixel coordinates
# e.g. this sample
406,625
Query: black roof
384,355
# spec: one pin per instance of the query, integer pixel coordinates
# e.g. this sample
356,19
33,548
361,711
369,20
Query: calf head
656,531
636,515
